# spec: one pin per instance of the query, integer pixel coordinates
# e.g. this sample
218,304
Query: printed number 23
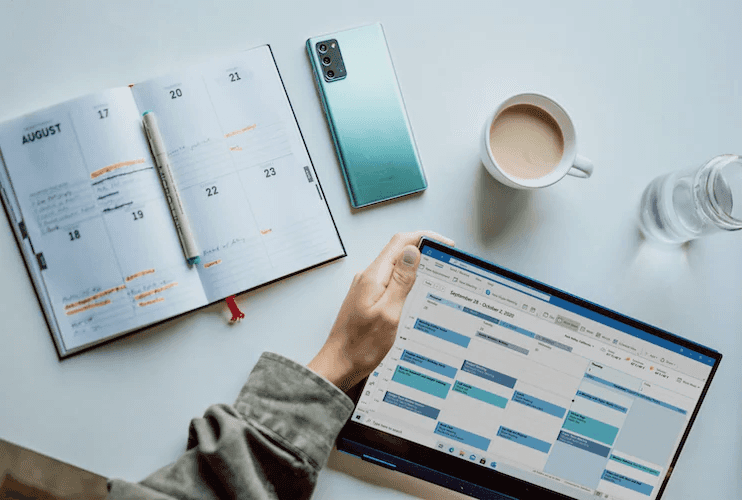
269,172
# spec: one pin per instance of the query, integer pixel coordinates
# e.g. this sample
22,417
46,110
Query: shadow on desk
25,474
379,476
500,211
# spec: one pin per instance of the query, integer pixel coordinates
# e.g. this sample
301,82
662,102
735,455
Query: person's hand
366,325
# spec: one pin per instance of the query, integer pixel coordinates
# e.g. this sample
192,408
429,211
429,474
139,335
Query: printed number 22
174,94
211,191
269,172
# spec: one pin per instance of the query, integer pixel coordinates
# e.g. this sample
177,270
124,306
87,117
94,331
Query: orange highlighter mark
156,290
235,148
89,306
241,131
139,275
266,231
115,166
153,301
94,297
212,263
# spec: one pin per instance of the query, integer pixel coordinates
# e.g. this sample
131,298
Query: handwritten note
62,205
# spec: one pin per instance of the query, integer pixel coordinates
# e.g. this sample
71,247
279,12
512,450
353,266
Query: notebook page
19,229
96,217
244,175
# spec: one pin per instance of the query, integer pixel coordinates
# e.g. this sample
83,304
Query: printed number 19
138,215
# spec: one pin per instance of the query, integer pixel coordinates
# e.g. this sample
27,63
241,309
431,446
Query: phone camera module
329,60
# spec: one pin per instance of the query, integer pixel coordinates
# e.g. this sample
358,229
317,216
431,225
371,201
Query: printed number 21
233,77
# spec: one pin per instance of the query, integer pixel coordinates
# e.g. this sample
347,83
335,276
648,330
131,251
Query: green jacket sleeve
270,444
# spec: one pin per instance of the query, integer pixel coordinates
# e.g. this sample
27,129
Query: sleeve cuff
300,407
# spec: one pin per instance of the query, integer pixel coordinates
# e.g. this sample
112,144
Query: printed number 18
74,235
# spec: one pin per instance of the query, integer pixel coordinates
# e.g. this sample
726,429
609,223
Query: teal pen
187,241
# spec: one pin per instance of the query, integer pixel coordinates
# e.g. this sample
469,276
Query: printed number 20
174,94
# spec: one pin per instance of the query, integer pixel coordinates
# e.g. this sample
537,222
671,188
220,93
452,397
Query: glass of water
684,205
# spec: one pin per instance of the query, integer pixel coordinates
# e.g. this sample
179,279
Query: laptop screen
538,386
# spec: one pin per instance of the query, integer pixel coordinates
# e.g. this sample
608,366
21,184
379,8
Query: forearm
271,444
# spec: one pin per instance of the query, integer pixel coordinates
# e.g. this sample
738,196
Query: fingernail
409,256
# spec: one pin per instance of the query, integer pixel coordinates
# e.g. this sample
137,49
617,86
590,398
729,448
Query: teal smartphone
366,115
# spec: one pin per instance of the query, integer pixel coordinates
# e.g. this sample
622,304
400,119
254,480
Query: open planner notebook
83,196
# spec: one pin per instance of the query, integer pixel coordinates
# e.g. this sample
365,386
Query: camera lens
326,61
322,48
330,73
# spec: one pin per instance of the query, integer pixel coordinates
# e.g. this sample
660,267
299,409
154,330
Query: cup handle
582,168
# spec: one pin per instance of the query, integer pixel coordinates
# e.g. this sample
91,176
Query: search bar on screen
498,279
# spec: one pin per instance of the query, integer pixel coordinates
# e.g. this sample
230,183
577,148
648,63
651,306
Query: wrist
333,365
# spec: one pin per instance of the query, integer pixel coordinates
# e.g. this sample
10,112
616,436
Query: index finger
381,268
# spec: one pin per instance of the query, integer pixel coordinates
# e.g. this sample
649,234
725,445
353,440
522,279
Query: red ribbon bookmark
236,313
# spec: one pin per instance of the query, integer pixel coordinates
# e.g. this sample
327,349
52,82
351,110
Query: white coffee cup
570,164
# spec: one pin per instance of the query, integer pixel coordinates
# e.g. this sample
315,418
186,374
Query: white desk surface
651,86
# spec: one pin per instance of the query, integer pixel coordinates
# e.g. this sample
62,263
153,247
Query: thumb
403,277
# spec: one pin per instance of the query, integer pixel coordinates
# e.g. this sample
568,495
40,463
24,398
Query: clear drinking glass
681,206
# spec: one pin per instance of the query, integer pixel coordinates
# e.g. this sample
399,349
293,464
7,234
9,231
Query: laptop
501,387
